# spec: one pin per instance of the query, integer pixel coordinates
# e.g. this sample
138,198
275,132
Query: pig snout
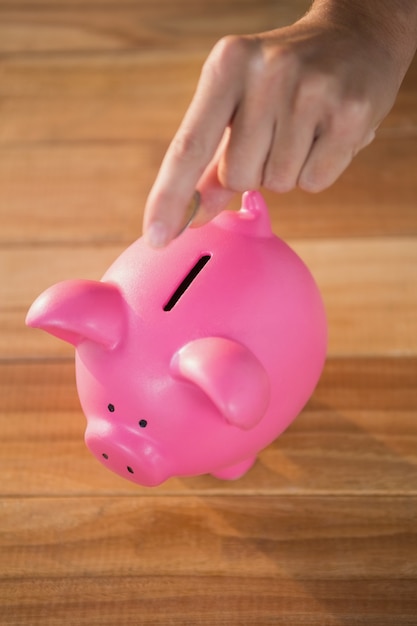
128,454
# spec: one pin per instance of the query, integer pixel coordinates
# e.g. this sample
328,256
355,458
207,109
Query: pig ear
253,218
254,207
231,376
74,310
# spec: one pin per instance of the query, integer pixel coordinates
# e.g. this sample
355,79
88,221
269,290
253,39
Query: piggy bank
192,358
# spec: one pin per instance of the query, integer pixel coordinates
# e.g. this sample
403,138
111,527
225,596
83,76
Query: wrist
387,26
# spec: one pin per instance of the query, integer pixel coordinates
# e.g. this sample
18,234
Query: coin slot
185,284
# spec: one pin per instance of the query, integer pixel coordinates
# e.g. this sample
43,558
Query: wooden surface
323,530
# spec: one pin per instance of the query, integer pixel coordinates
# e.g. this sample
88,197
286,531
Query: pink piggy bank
192,358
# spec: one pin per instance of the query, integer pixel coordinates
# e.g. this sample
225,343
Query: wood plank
351,383
337,452
374,384
80,77
310,539
357,435
205,600
368,286
117,97
99,26
322,529
96,193
41,94
81,193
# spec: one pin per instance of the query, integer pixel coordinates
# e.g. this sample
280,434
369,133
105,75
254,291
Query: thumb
214,196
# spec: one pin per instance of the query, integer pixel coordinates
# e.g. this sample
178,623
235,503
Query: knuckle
279,177
282,59
228,52
278,183
367,139
313,89
349,121
187,146
271,63
261,59
357,111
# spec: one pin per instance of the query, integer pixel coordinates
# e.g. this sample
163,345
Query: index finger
190,152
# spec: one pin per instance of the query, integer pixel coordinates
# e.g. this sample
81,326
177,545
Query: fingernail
156,234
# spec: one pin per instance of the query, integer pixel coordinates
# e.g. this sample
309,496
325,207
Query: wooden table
323,530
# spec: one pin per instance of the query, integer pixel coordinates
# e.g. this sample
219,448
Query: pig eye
111,408
143,423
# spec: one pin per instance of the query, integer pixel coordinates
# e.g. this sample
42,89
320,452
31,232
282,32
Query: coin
190,212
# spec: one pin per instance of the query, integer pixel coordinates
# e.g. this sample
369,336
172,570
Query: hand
279,109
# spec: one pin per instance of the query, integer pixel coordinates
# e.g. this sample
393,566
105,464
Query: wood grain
45,27
190,600
95,192
229,537
321,532
249,560
380,272
357,435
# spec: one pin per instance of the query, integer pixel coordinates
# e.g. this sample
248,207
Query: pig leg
233,472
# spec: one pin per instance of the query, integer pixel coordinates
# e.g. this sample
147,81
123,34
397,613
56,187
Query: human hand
290,107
